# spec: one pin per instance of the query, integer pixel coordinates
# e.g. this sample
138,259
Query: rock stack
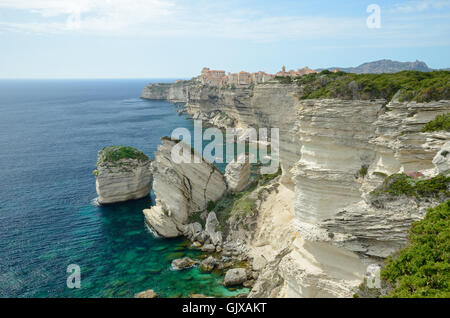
181,189
123,173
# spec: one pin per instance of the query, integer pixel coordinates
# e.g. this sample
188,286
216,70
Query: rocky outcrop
442,158
237,173
173,92
318,234
181,188
123,173
208,264
235,276
211,229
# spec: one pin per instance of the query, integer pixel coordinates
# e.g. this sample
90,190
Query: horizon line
90,78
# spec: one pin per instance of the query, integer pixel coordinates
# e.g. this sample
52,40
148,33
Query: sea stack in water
181,188
123,173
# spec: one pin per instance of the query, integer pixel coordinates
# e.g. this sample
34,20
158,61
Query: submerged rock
182,263
146,294
235,276
197,296
123,173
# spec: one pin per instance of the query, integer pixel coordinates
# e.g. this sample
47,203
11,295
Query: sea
50,134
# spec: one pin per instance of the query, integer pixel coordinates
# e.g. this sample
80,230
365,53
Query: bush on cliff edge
441,122
422,269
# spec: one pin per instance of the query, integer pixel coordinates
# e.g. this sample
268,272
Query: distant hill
384,66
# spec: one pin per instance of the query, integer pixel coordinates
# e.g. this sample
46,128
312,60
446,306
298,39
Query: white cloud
167,18
420,6
219,20
88,15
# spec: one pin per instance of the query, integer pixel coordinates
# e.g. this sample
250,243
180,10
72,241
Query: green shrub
363,171
116,153
284,79
240,204
413,85
422,269
196,217
210,206
441,122
402,184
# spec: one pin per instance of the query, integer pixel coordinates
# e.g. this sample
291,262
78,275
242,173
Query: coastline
281,258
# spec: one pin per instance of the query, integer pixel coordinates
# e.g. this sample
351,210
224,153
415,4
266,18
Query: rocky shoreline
185,197
317,230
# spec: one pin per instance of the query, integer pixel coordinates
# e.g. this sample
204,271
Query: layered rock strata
237,173
319,234
120,179
181,188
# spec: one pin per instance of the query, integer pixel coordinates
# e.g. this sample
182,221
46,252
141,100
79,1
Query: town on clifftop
220,78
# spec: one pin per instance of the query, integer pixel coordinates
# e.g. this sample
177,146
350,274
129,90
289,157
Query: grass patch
402,184
440,123
413,85
423,268
115,153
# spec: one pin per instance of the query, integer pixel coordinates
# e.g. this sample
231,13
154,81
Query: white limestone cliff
181,188
319,234
237,173
336,233
122,179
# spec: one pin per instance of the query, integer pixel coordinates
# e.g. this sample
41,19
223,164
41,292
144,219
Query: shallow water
50,133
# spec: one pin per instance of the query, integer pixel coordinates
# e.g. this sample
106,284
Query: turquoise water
50,132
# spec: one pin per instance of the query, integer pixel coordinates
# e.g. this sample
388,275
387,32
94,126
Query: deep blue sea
50,133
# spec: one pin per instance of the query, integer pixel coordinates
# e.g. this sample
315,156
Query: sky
176,38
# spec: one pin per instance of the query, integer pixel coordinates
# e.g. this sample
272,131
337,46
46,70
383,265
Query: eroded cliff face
262,106
181,188
346,147
318,233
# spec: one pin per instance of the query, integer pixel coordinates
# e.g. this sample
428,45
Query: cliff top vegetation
422,269
115,153
410,85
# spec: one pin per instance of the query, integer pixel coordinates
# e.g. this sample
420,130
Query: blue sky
176,38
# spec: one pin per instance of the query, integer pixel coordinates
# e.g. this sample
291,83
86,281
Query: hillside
384,66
